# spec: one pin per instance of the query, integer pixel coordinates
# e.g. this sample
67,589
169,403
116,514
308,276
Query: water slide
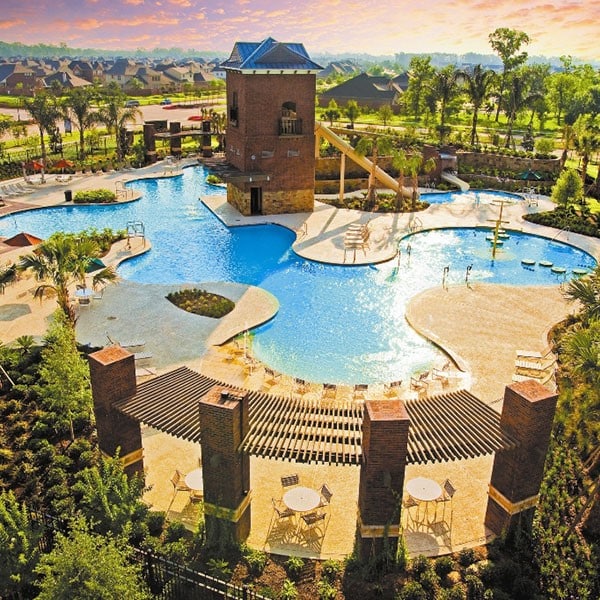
321,131
454,180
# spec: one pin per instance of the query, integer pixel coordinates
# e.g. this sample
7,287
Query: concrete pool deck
481,326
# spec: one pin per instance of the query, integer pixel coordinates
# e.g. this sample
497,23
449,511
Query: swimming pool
335,324
470,197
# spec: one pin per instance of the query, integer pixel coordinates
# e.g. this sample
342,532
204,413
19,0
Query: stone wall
486,161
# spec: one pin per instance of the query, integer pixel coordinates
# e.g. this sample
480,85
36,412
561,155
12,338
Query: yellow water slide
321,131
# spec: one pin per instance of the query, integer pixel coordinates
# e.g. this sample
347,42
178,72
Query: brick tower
270,127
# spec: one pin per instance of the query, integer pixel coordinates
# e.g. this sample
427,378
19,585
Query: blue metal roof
269,55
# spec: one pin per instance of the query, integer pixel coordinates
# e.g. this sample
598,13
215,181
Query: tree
45,112
385,114
86,566
115,115
507,43
78,108
352,111
110,500
587,141
478,83
18,546
420,72
568,189
332,112
443,90
64,376
61,261
586,291
374,146
415,164
400,162
519,96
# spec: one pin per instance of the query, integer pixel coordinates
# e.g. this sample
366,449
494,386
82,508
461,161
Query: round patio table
424,490
301,499
421,488
194,480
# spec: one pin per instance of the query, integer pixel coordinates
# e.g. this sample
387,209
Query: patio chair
196,495
179,485
410,503
312,524
300,386
448,491
281,510
290,480
326,495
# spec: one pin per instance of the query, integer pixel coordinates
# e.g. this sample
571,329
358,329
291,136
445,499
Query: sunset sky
385,27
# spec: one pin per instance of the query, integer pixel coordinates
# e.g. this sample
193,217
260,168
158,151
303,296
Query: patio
165,453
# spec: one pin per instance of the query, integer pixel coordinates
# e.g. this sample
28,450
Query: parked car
165,101
132,103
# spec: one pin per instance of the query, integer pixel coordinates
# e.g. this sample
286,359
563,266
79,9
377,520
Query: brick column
527,416
384,450
149,143
206,139
174,129
225,469
112,372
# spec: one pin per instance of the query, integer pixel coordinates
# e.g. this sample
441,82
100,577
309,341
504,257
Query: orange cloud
10,24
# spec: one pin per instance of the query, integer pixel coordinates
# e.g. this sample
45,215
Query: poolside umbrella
530,175
95,265
63,164
37,166
23,239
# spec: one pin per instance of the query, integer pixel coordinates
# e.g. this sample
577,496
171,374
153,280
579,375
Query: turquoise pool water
471,197
336,324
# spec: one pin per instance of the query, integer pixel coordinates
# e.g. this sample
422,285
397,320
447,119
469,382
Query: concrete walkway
480,327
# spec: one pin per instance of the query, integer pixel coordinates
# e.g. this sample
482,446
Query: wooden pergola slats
446,427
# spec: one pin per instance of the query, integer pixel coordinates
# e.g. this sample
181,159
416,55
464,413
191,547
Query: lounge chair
392,389
420,382
360,391
142,355
329,390
281,510
179,485
271,377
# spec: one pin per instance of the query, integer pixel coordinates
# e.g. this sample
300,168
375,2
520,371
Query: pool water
470,197
337,324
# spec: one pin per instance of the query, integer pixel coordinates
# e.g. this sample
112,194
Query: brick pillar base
385,438
112,373
225,470
527,416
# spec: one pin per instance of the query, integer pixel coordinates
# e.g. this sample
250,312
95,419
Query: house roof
365,87
270,55
445,427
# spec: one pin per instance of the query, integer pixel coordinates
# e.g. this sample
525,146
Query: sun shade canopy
446,427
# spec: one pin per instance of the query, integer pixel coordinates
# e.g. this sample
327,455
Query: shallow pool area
338,324
470,197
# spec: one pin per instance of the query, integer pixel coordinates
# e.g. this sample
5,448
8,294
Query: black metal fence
166,579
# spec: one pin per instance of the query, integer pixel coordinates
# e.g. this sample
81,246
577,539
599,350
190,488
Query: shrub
420,565
330,569
219,567
100,196
326,590
255,559
413,590
288,591
443,565
201,302
466,557
294,566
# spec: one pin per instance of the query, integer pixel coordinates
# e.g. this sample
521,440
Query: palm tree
478,84
443,90
415,164
518,98
45,112
586,291
115,115
8,274
400,162
374,146
587,141
61,261
78,108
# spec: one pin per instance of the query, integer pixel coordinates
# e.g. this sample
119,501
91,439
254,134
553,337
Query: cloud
8,24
